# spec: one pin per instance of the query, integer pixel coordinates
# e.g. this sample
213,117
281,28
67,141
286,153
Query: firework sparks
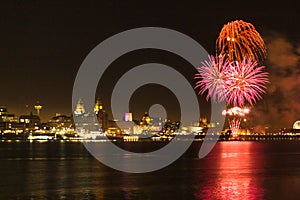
235,115
212,78
235,82
239,39
234,75
236,111
245,82
235,126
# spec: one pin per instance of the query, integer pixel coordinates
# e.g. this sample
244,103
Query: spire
98,106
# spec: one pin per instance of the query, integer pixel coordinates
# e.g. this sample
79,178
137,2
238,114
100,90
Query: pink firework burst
245,82
236,82
212,78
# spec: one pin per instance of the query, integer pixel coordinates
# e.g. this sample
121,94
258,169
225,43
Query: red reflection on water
232,173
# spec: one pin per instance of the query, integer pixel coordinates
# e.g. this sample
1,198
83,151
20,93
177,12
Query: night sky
44,43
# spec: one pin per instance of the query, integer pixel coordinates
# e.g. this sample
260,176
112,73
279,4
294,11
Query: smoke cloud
280,108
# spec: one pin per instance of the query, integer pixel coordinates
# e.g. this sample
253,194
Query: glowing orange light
239,39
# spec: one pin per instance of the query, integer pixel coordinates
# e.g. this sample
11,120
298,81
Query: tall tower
98,106
101,115
38,107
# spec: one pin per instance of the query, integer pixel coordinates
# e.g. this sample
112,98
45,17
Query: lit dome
296,125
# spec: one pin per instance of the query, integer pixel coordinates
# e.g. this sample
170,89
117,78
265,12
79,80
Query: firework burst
236,111
245,82
235,75
239,39
211,75
235,82
235,115
234,126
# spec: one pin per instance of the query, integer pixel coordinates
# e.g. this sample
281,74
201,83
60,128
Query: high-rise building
101,115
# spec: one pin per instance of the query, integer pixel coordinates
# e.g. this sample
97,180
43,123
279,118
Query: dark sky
44,43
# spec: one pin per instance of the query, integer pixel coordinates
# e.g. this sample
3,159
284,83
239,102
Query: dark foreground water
233,170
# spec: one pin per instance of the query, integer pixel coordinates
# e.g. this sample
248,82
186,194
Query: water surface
233,170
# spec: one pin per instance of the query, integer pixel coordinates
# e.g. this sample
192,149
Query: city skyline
44,45
113,99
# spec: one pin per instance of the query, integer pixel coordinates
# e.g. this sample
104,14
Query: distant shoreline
220,139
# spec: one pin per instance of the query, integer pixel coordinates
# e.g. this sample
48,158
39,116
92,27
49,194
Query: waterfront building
31,122
126,126
79,110
8,122
146,120
60,122
171,127
90,121
113,127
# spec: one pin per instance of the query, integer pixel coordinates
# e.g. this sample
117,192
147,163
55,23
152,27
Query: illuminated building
101,115
126,126
80,110
7,121
171,127
60,122
5,117
86,121
203,122
128,117
146,120
98,106
31,122
113,127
